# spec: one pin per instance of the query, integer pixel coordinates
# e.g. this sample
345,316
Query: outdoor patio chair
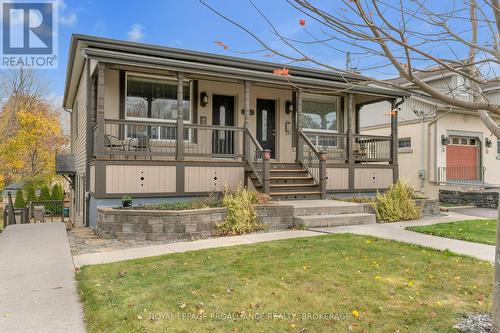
39,213
140,143
113,143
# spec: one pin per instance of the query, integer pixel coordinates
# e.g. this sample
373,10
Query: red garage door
462,159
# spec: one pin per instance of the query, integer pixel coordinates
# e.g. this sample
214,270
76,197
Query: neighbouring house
292,133
439,145
12,188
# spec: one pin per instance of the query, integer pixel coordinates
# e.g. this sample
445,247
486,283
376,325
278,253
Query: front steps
290,181
329,213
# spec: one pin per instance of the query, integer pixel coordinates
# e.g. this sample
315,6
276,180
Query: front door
266,124
223,115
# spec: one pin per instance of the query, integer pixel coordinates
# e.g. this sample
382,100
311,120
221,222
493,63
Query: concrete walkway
394,231
38,292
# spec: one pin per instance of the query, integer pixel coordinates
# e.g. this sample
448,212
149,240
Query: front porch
231,132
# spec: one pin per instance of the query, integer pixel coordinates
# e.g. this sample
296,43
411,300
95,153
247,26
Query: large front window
151,98
319,113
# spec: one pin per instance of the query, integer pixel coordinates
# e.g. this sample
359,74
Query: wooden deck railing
313,160
157,139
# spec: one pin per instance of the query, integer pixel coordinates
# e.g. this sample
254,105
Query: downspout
434,122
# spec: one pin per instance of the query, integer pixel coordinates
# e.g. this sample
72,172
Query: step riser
294,189
297,173
285,166
329,210
291,181
335,220
292,196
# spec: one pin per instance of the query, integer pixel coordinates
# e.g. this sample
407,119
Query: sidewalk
38,292
394,231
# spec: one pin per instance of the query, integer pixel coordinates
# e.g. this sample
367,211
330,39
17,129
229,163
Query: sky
188,24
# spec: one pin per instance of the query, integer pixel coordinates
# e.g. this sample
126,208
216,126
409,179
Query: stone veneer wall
133,224
479,198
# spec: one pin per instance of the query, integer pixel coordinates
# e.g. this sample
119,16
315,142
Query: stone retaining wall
479,198
130,224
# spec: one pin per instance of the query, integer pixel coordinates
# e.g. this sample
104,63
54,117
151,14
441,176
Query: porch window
319,113
155,99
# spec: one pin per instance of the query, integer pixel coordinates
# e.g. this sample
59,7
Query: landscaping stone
478,198
477,323
149,225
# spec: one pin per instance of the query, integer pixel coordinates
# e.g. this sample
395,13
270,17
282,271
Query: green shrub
241,217
30,194
396,204
44,193
57,192
19,201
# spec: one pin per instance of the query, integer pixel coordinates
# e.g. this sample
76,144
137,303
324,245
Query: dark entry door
223,115
266,124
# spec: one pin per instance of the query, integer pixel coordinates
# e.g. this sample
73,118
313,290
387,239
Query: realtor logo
29,34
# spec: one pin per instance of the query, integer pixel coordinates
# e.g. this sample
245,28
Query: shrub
241,217
57,192
19,201
396,204
44,193
30,194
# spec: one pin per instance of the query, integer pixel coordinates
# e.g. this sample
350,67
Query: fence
461,175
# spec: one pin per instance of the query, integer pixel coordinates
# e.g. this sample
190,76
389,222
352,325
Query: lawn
479,231
332,283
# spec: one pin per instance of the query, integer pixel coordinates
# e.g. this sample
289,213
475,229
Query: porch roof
139,54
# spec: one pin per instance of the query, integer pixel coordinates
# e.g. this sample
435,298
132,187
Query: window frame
168,121
322,98
403,139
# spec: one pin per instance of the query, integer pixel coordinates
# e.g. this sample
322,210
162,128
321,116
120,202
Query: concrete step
306,210
314,221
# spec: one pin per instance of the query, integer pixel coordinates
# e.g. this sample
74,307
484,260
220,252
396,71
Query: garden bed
156,224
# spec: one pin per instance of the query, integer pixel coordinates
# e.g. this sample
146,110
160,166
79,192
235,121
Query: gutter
434,122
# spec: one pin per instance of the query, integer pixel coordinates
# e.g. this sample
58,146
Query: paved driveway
38,292
479,212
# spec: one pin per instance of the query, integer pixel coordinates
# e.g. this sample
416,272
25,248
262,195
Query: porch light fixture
444,140
288,107
203,99
487,142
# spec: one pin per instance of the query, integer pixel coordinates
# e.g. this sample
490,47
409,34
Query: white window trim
167,121
323,98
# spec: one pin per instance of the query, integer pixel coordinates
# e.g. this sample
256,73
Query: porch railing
372,148
254,156
312,160
333,144
126,138
461,175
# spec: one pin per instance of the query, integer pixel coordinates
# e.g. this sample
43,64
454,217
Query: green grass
479,231
450,205
392,286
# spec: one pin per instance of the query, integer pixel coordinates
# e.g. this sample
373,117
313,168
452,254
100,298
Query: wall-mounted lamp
444,140
288,107
487,142
252,112
203,99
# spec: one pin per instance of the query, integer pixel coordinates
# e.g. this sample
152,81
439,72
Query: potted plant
126,201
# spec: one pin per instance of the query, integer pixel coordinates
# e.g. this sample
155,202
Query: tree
44,193
57,192
29,155
406,38
19,201
30,194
